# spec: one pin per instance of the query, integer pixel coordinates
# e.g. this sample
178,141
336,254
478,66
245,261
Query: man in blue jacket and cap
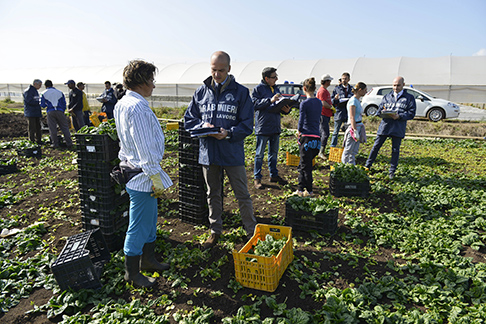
75,105
395,108
265,97
224,103
33,111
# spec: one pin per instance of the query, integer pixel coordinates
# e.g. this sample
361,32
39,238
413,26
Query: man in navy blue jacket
75,105
224,103
33,111
399,107
267,125
340,97
109,100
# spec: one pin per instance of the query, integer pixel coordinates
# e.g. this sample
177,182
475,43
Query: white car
427,106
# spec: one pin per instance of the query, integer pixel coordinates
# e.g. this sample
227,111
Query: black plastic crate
98,188
193,198
190,169
191,172
103,204
190,147
188,161
101,196
116,240
96,147
348,189
109,221
194,184
93,175
7,169
30,152
189,156
193,214
95,166
299,220
80,264
99,181
194,188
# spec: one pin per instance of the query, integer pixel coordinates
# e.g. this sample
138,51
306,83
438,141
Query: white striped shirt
141,140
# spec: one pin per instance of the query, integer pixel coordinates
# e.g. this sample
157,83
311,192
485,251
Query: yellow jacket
85,103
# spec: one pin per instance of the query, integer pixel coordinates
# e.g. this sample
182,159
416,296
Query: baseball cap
326,77
70,81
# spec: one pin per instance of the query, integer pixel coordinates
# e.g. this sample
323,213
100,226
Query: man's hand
286,109
396,116
157,186
276,97
222,134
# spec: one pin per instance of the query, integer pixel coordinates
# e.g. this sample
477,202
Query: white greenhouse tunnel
458,79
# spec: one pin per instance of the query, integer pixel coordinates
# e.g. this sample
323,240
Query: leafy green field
413,252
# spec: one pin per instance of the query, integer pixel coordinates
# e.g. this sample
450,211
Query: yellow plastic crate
265,273
294,160
172,126
335,154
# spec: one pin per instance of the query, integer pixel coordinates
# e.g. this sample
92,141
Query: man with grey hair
222,102
33,111
395,108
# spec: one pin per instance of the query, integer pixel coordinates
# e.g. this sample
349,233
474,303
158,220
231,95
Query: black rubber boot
133,275
149,263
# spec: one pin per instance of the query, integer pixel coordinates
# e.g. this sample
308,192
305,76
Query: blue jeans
261,143
337,126
380,139
142,226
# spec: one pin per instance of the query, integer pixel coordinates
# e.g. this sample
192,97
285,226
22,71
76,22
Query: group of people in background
223,103
55,103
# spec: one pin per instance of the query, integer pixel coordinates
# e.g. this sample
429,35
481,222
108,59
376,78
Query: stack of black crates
104,204
193,207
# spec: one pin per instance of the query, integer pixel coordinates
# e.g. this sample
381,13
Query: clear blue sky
46,33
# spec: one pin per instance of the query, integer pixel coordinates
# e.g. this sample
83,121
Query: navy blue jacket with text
266,122
231,110
405,106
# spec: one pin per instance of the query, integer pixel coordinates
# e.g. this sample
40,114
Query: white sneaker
298,193
322,156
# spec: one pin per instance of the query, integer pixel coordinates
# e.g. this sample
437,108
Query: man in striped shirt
142,147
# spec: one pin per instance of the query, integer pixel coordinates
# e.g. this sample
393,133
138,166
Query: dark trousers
324,130
34,129
380,139
308,148
86,115
108,111
78,119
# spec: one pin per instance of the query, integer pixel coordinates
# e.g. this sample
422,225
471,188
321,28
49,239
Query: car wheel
435,114
371,110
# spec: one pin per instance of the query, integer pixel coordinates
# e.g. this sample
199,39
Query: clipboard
292,102
204,131
388,113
